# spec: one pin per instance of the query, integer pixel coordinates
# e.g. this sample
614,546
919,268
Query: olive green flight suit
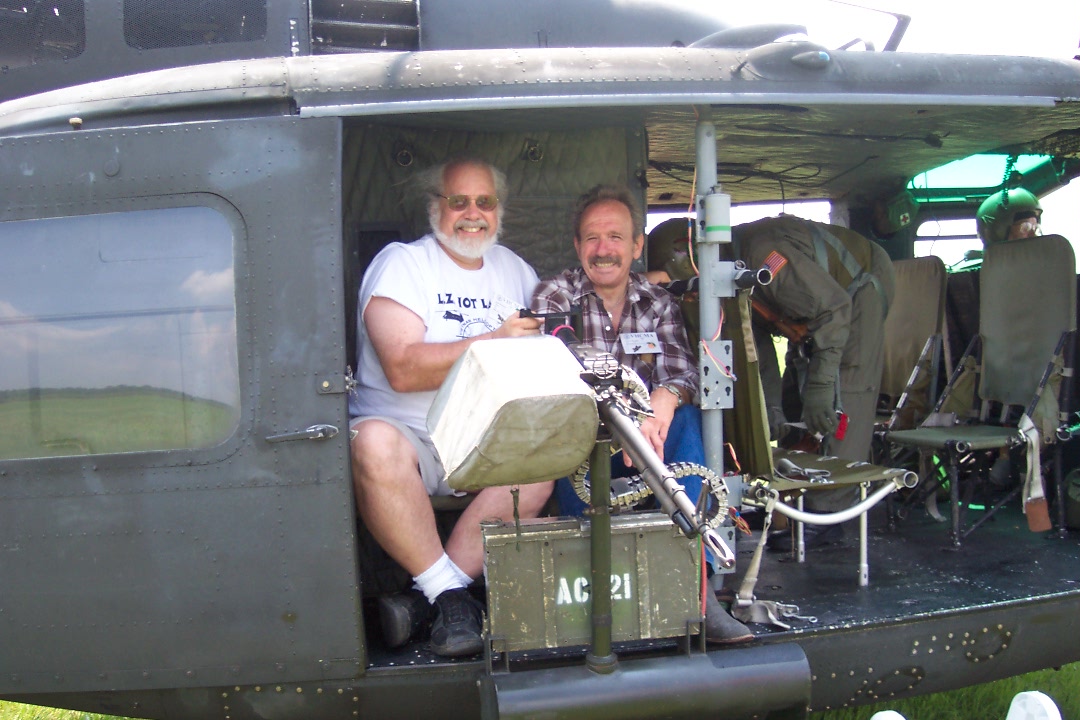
840,285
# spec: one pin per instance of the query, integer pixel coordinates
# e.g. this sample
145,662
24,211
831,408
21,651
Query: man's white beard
471,249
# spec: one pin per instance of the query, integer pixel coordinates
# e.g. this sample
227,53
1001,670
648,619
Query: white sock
466,581
443,575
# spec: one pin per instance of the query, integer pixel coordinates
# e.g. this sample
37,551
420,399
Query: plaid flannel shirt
648,308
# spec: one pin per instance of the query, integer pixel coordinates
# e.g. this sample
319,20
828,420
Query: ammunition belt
629,491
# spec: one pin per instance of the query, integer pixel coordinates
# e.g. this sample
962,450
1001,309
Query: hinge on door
335,384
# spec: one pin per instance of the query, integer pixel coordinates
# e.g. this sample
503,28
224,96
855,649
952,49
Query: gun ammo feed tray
655,581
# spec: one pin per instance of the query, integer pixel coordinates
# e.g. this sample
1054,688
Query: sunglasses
484,203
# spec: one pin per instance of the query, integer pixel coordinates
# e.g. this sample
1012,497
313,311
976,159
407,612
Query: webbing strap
859,275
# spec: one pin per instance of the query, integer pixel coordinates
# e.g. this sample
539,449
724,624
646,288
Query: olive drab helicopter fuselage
189,194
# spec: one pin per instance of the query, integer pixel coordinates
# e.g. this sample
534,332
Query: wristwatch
676,392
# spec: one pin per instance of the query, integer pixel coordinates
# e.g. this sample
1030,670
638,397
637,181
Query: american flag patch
775,262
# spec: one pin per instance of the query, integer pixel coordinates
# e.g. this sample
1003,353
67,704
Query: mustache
596,259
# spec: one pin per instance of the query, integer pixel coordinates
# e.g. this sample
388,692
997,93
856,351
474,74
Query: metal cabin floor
914,571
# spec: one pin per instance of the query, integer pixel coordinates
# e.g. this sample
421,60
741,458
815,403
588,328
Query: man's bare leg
465,545
391,497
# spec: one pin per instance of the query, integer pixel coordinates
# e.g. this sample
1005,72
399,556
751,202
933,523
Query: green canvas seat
1005,391
913,343
774,491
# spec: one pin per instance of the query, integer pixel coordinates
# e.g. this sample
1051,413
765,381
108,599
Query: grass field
983,702
110,420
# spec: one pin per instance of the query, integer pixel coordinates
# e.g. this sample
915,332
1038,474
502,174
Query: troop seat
1007,391
914,332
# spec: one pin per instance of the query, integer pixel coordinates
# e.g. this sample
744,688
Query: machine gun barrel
669,493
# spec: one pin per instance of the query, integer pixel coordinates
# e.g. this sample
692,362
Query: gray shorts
431,467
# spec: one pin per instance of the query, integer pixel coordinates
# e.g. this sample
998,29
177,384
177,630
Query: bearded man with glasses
421,305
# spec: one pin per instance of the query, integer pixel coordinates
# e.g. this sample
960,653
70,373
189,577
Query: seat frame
985,393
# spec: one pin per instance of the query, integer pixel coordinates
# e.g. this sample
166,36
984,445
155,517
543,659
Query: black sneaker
458,627
404,617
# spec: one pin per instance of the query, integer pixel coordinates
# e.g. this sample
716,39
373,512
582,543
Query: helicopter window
33,33
139,350
951,240
150,24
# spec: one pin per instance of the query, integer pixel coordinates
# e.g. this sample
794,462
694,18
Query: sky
955,26
1039,28
1052,29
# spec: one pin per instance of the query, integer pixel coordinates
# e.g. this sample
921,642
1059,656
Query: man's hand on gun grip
519,324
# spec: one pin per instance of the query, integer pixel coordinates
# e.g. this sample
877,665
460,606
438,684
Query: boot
1001,472
720,627
458,629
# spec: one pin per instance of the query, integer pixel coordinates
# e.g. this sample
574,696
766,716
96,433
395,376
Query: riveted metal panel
196,567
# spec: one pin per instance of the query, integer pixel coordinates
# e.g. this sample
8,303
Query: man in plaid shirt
641,325
622,313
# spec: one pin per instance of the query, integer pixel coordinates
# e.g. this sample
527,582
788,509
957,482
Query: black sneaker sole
398,621
459,648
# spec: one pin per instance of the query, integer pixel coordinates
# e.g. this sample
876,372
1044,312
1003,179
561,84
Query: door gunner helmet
669,248
999,211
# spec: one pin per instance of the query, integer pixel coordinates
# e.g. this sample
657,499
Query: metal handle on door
315,432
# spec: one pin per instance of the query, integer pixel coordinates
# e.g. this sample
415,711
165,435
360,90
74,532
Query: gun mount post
717,281
600,658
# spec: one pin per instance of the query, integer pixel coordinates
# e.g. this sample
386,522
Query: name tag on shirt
643,343
503,307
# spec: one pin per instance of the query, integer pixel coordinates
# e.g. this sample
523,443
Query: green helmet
669,249
999,211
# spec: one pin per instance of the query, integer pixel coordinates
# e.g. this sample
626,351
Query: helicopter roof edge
437,81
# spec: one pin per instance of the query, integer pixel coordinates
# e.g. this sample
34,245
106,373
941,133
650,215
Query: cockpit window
117,333
954,241
975,175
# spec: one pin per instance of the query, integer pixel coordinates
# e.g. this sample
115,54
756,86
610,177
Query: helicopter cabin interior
547,169
264,186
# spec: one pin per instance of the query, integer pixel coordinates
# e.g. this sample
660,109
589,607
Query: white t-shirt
453,302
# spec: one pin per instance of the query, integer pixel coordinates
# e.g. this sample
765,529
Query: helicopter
190,195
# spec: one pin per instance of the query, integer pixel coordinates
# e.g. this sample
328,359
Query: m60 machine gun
622,400
492,429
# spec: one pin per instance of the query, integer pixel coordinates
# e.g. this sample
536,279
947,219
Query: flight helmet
669,249
999,211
